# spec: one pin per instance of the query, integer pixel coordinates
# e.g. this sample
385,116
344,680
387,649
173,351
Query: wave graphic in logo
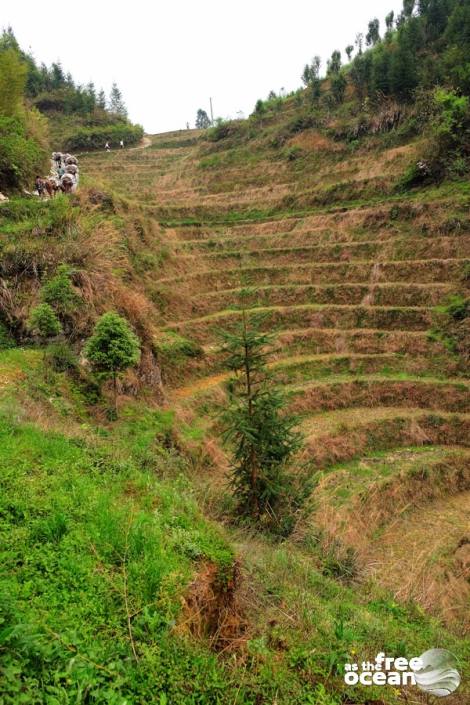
438,674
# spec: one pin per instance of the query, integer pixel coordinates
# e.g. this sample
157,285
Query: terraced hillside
350,276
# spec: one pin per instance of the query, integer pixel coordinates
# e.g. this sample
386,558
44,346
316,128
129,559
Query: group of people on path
108,148
63,176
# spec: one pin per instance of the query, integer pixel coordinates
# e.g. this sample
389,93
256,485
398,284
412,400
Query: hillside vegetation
43,109
335,220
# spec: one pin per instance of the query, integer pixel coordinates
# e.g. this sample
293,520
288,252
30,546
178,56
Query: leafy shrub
458,307
172,344
20,155
416,174
6,341
341,565
449,146
59,292
62,357
224,129
293,153
44,322
452,326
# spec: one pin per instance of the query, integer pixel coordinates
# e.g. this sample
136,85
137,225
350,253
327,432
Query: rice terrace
234,391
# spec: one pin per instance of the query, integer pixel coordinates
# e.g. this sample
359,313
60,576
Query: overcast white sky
168,58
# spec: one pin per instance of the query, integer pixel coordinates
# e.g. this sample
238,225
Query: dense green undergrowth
89,542
101,537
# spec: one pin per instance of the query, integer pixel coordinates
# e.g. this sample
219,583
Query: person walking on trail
39,185
58,160
107,147
121,144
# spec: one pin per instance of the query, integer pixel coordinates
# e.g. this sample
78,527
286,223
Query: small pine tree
349,50
116,102
262,436
101,100
112,348
202,120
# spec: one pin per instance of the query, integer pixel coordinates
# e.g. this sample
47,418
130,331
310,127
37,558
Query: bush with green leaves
21,156
112,348
22,133
43,322
59,291
6,340
448,151
63,358
450,127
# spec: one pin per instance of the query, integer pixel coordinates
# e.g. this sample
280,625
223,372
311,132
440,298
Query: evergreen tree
112,348
311,77
262,436
91,90
57,76
457,55
116,102
101,100
373,33
202,120
8,40
338,87
349,50
311,72
361,72
12,82
380,72
389,21
359,42
403,73
408,7
334,63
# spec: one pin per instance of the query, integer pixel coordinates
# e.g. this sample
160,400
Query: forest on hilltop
42,108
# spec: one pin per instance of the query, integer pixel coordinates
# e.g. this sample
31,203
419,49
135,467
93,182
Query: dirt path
146,142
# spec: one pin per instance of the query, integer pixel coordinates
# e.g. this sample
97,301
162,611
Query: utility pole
212,114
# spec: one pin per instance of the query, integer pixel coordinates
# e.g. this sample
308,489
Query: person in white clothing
121,144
